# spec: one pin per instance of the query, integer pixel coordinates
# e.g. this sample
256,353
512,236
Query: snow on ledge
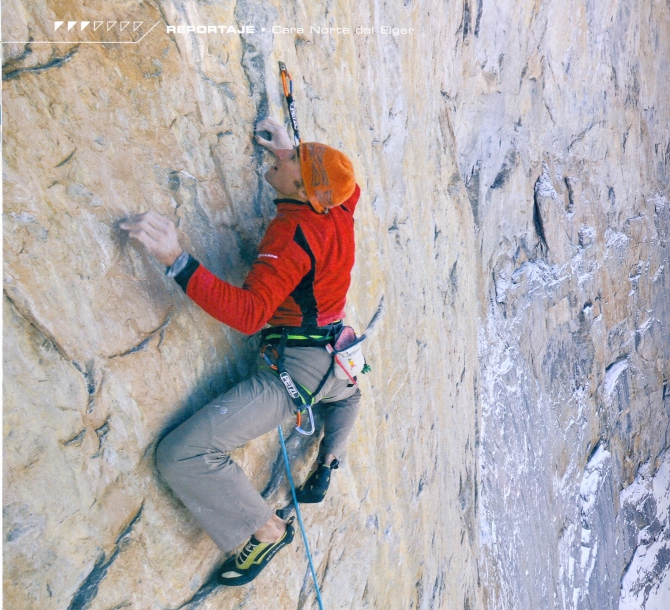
645,585
612,373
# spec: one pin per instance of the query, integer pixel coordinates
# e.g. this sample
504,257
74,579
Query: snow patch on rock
615,240
645,584
612,374
593,476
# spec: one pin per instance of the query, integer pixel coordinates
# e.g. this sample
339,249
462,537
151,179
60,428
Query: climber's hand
280,138
156,233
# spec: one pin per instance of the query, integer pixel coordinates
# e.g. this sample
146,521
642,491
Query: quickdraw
287,83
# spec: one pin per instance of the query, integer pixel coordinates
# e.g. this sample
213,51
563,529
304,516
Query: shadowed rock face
515,220
572,224
572,230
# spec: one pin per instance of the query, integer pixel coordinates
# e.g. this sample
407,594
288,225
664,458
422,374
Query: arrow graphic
83,25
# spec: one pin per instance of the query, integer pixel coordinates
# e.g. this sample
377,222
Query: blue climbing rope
297,510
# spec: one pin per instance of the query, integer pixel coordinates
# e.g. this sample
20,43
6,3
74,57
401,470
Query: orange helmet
328,175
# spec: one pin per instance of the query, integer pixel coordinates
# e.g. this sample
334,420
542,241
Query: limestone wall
103,354
513,233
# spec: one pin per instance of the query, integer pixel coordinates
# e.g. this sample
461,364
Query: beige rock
513,160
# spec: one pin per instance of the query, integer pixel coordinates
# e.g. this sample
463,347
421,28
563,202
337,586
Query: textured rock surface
104,354
515,220
645,504
567,170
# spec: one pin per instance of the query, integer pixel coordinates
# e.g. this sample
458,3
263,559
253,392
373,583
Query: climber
296,289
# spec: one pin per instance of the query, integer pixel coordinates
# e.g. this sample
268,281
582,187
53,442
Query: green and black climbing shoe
314,489
251,560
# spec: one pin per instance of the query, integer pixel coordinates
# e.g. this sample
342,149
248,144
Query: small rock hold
77,440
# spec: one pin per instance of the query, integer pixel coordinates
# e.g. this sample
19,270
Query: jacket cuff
183,276
178,265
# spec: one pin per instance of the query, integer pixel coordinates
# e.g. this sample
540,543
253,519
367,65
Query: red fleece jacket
301,275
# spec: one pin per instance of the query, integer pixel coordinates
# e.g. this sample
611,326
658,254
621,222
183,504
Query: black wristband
183,277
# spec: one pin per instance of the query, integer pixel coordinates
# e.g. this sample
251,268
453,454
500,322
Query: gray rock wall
563,143
513,229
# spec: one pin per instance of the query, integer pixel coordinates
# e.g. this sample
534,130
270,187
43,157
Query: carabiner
286,80
311,421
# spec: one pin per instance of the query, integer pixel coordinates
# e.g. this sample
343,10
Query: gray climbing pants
194,458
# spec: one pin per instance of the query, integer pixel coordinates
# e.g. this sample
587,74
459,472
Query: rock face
513,234
563,143
645,504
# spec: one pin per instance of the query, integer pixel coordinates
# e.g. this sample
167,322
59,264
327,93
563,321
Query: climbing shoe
314,489
251,560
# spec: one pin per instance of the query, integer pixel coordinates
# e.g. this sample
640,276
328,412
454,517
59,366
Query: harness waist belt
301,336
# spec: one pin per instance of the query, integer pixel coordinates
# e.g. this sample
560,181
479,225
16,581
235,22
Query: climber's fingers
280,138
156,233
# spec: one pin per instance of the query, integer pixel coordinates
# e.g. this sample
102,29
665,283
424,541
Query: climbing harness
340,341
302,525
285,336
287,83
